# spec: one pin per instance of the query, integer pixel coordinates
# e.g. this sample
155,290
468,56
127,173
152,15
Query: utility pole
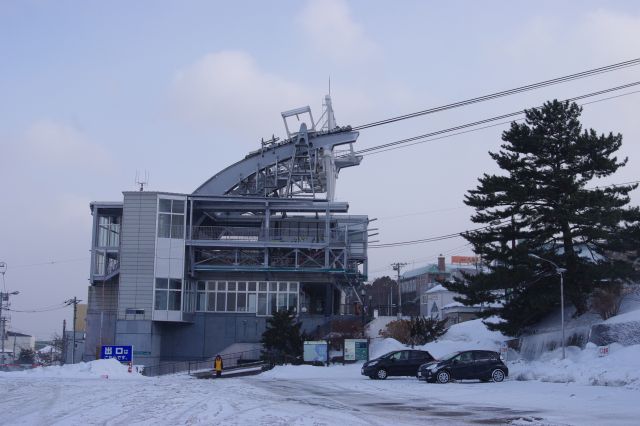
74,302
396,267
4,303
64,342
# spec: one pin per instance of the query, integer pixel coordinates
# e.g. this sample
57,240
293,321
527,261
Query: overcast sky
91,92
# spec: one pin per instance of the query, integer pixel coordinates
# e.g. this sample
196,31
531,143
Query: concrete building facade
184,276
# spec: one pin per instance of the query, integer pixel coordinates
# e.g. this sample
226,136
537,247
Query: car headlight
432,367
371,363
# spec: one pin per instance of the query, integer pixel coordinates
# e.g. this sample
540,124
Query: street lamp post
559,271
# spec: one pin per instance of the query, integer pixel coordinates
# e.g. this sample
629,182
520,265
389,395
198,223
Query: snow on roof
16,334
436,289
433,269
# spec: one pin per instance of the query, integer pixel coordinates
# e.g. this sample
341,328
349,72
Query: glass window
263,286
175,284
211,285
262,304
177,226
161,300
201,301
273,286
465,357
164,226
165,205
231,302
178,206
231,286
211,302
220,305
293,287
174,300
242,302
201,285
293,301
251,303
222,286
242,286
99,267
162,283
282,301
282,286
400,356
273,307
252,286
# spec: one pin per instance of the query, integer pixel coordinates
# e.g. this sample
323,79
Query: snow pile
381,346
460,337
374,327
584,366
464,336
102,368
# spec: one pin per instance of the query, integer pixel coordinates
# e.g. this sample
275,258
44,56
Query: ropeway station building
185,276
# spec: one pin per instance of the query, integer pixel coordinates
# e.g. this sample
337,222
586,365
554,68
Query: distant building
415,284
15,342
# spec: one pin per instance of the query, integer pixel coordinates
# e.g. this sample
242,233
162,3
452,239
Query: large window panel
262,303
273,306
211,301
174,300
252,300
282,301
164,225
242,302
220,302
231,302
161,300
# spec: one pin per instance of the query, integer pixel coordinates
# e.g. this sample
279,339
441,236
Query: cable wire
521,89
419,138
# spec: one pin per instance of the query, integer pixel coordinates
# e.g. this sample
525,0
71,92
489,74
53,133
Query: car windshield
449,356
387,355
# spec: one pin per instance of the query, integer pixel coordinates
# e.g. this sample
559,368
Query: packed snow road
305,396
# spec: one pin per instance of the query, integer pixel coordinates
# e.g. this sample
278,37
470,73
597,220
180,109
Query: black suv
482,365
396,363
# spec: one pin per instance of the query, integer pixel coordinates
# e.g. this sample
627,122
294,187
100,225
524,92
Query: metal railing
289,234
230,360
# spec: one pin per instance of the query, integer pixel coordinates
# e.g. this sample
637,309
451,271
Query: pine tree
541,205
282,340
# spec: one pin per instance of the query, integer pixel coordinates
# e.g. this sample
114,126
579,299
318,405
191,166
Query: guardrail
229,360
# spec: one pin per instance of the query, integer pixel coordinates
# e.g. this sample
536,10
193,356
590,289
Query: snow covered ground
584,389
301,395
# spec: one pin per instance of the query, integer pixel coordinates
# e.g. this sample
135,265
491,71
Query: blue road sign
121,353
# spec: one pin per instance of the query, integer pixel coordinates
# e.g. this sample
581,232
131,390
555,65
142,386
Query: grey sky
90,92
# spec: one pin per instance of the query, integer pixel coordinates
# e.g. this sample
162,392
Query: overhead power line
452,131
521,89
459,234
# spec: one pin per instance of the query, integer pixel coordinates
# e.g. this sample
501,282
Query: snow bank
460,337
584,366
467,335
83,370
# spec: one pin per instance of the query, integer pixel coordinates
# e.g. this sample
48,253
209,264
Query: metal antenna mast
142,180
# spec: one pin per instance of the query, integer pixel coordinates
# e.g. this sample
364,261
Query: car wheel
443,376
497,375
381,374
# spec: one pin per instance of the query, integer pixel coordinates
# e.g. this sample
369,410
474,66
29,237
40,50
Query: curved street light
559,271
